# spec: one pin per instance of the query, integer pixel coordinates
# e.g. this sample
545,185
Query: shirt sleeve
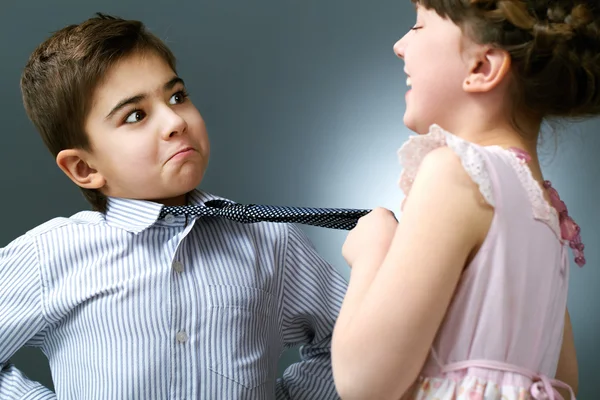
311,298
21,316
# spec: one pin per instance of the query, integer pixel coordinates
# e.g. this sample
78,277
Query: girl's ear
488,68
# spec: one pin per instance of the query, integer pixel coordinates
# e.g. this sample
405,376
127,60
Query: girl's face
436,71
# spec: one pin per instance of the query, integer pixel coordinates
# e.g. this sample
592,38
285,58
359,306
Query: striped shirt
129,306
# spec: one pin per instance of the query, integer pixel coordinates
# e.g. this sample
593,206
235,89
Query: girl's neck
500,132
487,121
504,134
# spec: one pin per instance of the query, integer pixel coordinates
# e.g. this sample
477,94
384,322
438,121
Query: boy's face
148,141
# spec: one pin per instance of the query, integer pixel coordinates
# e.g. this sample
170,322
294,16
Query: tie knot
233,211
190,210
213,208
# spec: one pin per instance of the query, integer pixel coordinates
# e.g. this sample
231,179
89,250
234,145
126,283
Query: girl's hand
371,238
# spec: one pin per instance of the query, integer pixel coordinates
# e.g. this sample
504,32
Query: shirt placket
182,334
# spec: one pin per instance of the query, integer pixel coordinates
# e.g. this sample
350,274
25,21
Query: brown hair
62,73
554,48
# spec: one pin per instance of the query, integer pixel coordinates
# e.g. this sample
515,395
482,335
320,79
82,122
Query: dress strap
569,230
542,388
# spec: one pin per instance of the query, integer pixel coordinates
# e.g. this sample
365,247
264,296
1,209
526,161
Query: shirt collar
137,215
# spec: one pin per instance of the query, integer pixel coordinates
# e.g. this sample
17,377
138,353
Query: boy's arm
310,300
20,316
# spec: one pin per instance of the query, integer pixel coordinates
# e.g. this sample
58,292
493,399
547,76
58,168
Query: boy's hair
554,48
62,74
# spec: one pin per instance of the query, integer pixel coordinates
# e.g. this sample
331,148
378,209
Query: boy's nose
175,124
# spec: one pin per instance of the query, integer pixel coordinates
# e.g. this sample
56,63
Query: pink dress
502,334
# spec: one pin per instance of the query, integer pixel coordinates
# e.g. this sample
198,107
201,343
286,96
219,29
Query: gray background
303,101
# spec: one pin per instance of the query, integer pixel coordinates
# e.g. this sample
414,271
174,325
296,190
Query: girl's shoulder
419,147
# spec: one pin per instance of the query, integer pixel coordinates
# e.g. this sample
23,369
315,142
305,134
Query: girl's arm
389,326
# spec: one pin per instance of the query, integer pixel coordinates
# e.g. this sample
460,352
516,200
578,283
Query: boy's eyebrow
137,98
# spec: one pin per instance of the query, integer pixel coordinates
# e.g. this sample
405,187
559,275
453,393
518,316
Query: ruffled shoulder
414,150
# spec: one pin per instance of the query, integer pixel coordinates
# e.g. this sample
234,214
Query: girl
465,297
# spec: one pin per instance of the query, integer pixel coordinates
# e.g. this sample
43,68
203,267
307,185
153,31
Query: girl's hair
554,48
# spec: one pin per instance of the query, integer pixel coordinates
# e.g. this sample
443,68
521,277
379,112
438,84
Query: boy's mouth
184,151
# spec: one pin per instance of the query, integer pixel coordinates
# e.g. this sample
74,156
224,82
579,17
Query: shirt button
182,337
178,267
169,218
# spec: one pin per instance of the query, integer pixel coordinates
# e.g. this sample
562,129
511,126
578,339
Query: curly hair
554,48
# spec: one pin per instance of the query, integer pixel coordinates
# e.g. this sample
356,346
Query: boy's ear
73,162
489,67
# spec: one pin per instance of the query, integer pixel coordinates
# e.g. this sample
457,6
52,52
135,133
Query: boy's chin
182,190
172,196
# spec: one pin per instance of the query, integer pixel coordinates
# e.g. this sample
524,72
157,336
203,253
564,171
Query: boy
127,304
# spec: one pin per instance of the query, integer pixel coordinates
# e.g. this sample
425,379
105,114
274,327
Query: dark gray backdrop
303,102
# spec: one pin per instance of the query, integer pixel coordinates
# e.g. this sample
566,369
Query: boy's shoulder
80,218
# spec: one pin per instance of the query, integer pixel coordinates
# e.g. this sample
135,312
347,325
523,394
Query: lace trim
414,150
542,210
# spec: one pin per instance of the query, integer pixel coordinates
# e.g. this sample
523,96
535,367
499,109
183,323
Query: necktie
336,218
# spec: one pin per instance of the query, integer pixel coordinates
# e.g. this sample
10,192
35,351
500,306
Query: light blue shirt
126,306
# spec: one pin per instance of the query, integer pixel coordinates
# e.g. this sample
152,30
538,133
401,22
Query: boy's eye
178,97
135,116
416,28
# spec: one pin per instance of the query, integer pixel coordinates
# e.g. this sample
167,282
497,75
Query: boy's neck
181,200
174,201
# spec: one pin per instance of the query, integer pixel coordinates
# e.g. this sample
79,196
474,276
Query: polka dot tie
335,218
